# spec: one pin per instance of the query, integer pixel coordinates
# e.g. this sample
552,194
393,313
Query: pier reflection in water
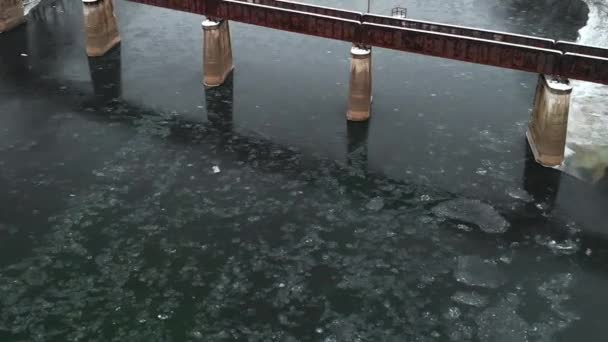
357,135
220,106
106,75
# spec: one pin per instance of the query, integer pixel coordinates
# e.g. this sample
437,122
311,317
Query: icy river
137,206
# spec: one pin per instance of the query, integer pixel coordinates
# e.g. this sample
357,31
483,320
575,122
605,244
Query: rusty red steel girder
460,31
291,20
303,7
474,50
581,49
506,50
204,7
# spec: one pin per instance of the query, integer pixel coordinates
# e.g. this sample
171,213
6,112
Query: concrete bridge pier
360,91
11,14
101,26
549,121
217,52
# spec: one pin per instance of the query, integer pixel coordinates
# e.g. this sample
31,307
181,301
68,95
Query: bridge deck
501,49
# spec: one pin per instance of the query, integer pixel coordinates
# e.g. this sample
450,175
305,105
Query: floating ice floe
375,204
470,298
474,271
475,212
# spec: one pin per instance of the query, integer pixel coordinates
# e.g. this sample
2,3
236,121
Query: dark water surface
137,206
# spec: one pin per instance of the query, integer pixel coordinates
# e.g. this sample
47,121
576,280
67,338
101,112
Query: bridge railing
290,20
303,7
514,51
205,7
582,49
468,49
460,30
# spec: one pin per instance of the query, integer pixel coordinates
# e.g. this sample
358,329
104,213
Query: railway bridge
554,61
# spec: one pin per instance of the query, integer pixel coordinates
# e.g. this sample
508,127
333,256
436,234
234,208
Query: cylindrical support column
101,26
11,14
360,91
549,121
217,52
